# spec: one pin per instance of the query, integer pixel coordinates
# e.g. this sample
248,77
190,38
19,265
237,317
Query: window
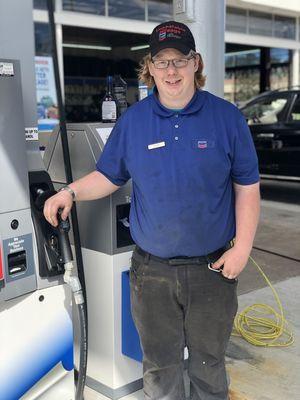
246,84
236,19
279,77
43,44
229,60
242,58
279,56
47,111
248,57
85,6
160,10
260,23
284,27
295,113
241,84
40,4
132,9
267,110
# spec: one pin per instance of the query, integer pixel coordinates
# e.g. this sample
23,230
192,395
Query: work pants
178,306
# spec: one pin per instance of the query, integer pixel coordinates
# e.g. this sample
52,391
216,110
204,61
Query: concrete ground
258,373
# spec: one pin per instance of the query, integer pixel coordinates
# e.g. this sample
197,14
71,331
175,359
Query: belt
182,260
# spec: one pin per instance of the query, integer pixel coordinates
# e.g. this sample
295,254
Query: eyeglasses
177,63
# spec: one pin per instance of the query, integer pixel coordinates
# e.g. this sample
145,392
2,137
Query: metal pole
206,19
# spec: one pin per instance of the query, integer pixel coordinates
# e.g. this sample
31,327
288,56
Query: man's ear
150,66
198,62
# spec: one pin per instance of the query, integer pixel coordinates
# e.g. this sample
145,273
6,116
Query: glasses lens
180,63
160,64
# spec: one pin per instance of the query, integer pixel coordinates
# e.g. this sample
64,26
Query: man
194,188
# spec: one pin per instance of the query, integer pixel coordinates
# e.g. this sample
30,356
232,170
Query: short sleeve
112,162
244,169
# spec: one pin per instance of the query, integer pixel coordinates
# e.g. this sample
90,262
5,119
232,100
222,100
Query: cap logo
162,35
170,31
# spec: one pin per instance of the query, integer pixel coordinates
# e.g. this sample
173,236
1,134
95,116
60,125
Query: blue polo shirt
182,166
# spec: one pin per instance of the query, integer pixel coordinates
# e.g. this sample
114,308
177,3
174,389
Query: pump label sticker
16,244
104,133
31,134
6,69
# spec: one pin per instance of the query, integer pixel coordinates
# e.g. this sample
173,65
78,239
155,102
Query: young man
194,188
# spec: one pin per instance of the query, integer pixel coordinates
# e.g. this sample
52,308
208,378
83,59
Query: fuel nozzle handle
63,229
66,255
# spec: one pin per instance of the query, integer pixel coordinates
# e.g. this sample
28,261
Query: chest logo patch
203,144
156,145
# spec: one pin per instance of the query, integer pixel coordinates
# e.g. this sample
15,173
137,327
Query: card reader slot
17,263
123,233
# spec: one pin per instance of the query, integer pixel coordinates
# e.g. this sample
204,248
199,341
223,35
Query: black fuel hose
63,230
82,350
77,244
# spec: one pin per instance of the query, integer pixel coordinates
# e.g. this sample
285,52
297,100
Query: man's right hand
61,200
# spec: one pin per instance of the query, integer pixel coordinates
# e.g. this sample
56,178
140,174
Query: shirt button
176,115
176,138
176,126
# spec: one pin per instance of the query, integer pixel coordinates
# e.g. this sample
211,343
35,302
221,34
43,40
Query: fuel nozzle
63,230
72,280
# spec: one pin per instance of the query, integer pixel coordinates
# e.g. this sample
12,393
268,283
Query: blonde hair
145,76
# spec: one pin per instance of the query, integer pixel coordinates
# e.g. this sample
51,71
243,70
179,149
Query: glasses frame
187,59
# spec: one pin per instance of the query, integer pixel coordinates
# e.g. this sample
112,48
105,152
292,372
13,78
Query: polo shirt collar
193,106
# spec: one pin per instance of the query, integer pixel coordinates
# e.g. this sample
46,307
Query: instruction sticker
15,244
104,133
31,134
6,69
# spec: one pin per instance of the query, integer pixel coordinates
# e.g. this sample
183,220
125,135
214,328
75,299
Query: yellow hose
261,324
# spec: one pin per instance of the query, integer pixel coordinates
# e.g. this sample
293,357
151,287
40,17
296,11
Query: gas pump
114,366
36,336
36,268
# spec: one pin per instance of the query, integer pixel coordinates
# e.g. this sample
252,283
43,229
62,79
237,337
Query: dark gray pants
178,306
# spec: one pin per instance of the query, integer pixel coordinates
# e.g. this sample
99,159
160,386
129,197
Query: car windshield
265,111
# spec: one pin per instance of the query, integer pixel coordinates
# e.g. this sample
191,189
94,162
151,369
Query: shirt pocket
209,157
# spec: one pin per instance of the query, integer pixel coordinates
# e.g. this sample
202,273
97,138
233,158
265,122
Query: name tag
156,145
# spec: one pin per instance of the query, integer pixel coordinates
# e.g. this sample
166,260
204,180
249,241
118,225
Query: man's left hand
232,262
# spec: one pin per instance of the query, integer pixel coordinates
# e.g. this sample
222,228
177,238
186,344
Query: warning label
31,134
6,69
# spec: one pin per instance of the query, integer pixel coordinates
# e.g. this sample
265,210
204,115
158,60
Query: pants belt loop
146,258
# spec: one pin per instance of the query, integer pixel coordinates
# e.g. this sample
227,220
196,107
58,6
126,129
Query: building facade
97,38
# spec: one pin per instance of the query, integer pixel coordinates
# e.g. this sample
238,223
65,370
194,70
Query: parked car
274,120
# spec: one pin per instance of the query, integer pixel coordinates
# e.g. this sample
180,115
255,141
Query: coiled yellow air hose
261,324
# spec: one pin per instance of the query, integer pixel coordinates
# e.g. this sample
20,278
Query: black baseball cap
171,34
